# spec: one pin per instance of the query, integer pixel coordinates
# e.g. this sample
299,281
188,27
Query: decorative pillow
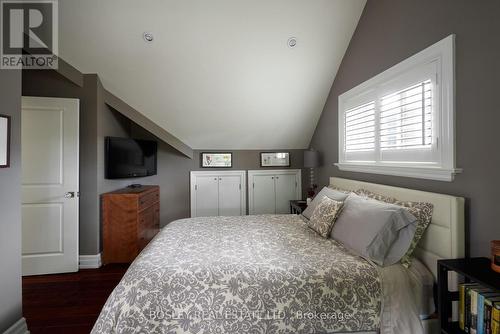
328,192
344,191
421,210
372,229
323,216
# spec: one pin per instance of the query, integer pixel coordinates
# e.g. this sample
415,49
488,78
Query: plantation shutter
360,128
406,118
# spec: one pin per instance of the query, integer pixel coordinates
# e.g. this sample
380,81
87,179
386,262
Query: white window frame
441,57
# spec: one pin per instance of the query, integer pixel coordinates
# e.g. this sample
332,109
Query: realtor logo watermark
29,34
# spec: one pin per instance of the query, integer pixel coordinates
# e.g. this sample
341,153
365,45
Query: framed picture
275,159
4,141
216,160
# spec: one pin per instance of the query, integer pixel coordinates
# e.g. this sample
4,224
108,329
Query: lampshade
311,159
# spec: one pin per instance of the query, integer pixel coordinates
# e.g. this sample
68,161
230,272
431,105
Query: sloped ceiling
219,73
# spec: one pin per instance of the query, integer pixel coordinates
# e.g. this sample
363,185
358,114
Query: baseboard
20,327
90,261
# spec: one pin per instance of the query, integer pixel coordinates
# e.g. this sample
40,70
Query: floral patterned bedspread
249,274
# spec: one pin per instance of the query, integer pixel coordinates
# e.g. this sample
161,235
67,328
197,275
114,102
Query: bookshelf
476,270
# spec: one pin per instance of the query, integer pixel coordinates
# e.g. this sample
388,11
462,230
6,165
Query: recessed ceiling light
292,42
148,37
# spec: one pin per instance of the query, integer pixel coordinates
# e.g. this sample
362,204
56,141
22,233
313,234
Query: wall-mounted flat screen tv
127,158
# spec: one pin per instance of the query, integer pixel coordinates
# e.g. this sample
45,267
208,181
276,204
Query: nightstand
296,207
475,270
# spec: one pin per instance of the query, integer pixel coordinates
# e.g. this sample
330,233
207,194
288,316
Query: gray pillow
381,232
328,192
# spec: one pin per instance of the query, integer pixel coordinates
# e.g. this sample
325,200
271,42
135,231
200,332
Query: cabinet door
207,196
230,196
286,190
263,194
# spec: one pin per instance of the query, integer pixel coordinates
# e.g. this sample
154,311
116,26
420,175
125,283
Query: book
462,303
467,306
481,311
495,318
474,294
488,305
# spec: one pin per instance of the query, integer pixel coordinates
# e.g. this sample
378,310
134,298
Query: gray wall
10,205
390,31
174,168
97,120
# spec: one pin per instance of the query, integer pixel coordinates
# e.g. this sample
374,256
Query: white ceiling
219,74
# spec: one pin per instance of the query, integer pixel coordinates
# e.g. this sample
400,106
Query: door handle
69,194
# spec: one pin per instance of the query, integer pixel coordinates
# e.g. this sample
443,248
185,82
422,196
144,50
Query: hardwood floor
68,303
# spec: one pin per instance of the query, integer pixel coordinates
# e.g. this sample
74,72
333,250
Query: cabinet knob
215,178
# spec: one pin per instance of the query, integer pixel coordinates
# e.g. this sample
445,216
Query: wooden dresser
130,219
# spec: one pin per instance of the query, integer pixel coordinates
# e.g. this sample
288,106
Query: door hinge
195,187
253,185
240,186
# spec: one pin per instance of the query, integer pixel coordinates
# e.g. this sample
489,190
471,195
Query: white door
218,193
230,196
263,194
286,190
270,191
207,196
50,146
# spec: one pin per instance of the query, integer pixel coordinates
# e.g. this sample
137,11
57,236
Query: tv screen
126,157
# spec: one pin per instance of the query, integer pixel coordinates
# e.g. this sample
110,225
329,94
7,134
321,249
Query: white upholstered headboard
445,236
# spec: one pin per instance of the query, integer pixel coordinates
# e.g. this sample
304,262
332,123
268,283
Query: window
401,122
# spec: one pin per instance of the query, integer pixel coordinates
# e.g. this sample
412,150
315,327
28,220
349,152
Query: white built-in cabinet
218,193
270,191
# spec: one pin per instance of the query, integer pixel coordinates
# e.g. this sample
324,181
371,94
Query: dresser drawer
147,200
149,222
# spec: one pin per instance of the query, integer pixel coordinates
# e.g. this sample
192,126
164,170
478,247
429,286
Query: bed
273,274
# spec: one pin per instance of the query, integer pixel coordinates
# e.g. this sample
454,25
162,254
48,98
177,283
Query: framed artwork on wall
216,160
275,159
4,141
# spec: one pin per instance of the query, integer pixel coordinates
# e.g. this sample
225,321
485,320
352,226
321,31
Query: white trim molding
430,173
89,261
435,161
19,327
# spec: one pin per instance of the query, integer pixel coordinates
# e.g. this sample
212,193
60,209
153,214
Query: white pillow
378,231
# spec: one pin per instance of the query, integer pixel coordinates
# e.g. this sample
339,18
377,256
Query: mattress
253,274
